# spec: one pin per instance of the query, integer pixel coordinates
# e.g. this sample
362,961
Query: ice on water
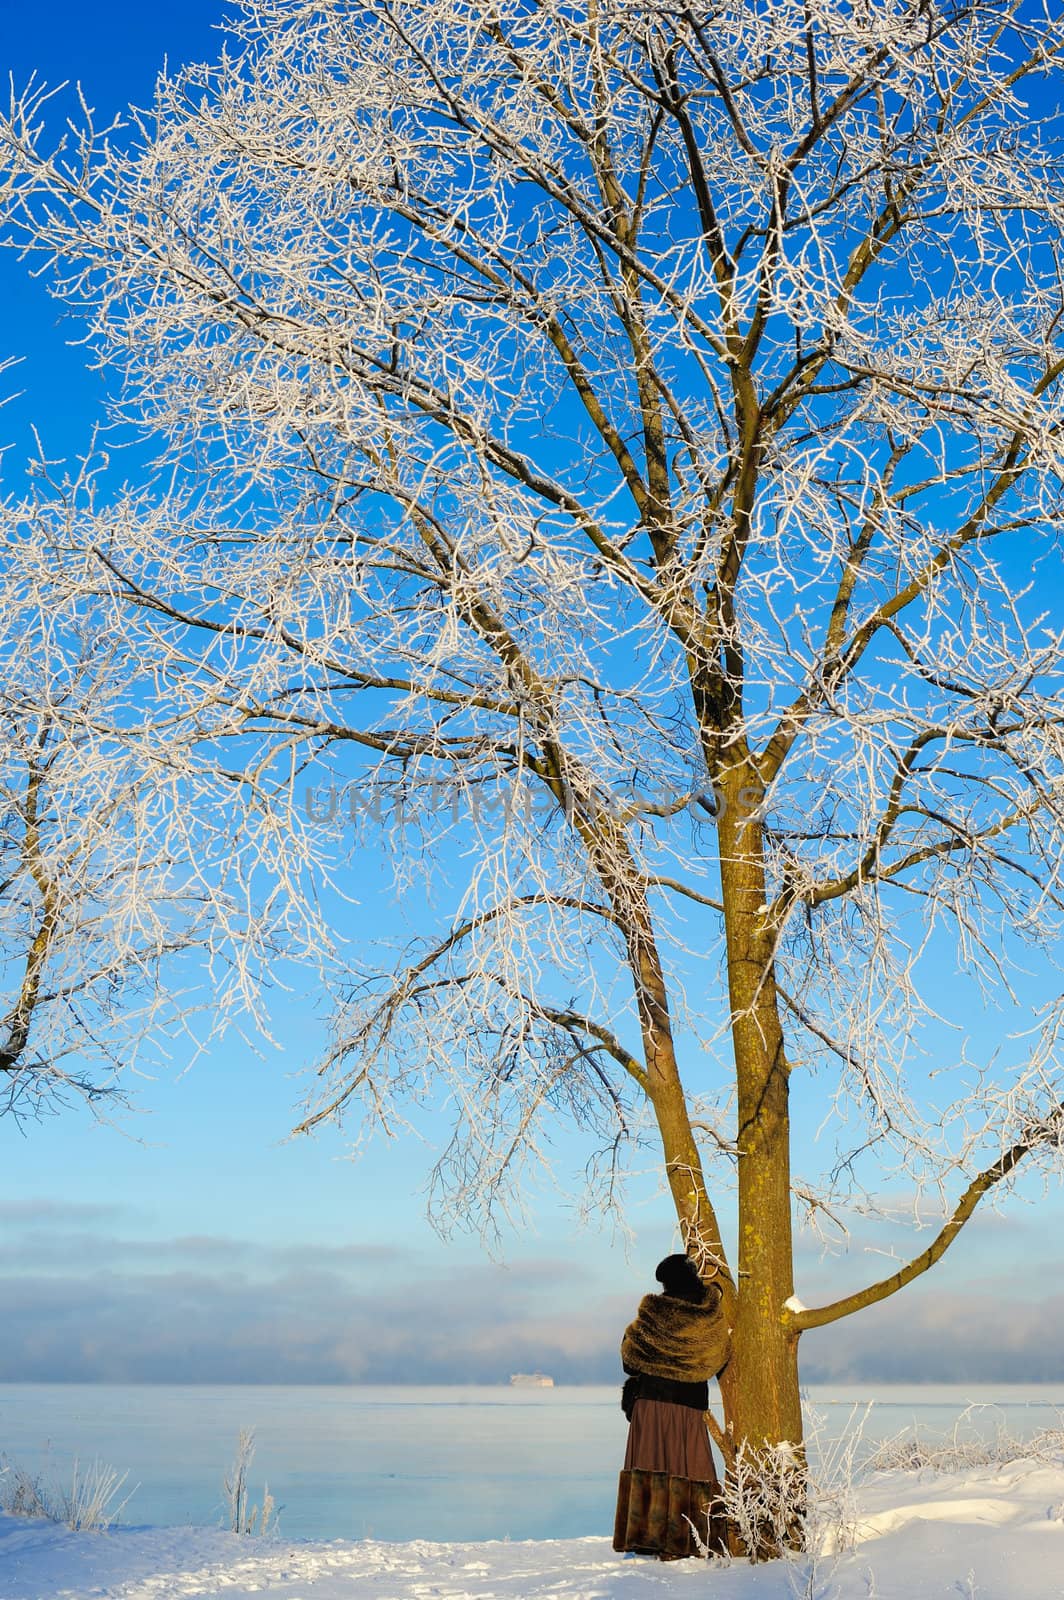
479,1463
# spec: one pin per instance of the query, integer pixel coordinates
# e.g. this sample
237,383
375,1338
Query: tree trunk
760,1389
763,1417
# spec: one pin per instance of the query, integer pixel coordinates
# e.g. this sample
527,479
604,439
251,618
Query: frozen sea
416,1463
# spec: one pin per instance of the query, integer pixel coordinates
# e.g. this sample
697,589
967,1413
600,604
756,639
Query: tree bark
699,1226
760,1388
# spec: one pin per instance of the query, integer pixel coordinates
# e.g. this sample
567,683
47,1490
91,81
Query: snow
792,1303
984,1534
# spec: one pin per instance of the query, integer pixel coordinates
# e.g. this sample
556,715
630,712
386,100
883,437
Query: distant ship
531,1380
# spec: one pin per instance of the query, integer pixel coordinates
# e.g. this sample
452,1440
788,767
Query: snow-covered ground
985,1534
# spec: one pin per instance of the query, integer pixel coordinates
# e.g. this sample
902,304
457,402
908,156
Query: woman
678,1341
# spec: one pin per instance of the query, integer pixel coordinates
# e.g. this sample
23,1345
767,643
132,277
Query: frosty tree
92,916
622,435
117,891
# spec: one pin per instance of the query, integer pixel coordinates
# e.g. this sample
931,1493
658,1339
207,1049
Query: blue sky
191,1240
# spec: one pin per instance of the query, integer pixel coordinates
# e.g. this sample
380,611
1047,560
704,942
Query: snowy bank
987,1534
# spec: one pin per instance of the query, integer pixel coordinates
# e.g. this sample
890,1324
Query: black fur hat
678,1277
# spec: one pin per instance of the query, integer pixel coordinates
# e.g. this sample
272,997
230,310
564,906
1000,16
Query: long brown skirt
669,1489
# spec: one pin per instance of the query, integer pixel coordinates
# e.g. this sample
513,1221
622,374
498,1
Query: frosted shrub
908,1452
774,1495
20,1493
87,1505
766,1495
245,1519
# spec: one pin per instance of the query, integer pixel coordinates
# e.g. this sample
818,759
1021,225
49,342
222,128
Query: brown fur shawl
672,1338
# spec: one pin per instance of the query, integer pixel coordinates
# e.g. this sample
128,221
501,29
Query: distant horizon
863,1384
